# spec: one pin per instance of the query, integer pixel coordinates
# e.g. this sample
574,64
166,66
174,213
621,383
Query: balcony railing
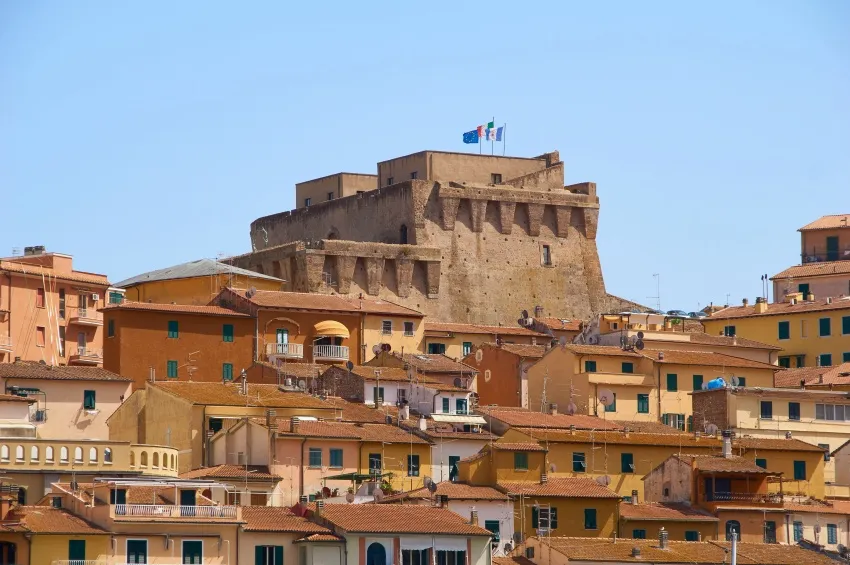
174,511
824,256
87,317
79,562
336,352
769,498
85,354
5,343
284,350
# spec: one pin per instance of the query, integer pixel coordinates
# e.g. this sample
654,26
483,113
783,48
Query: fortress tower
460,237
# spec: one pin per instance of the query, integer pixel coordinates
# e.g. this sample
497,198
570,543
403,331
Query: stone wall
710,407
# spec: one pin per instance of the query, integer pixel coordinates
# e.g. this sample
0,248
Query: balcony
79,562
747,497
6,344
86,356
622,379
177,512
330,353
86,317
275,351
824,256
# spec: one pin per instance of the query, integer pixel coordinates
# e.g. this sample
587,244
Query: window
172,369
698,382
378,394
116,298
315,457
799,470
544,517
412,465
785,362
520,461
413,175
579,462
227,371
39,298
493,527
330,195
110,328
495,178
467,348
375,463
408,329
227,333
446,408
590,366
387,327
627,463
62,303
825,360
674,421
547,256
784,330
831,534
410,557
627,367
691,535
336,458
638,534
766,410
770,532
845,325
798,531
88,400
801,360
173,329
794,411
804,288
742,382
62,341
824,327
613,406
589,518
216,424
436,348
460,406
825,447
729,331
672,382
268,554
643,403
761,463
39,336
845,357
449,557
732,526
390,181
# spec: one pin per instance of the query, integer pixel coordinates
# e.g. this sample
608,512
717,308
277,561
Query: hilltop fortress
460,237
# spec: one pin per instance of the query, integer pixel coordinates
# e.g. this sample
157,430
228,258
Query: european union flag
470,136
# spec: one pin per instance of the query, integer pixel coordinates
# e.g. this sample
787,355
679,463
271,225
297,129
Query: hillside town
422,366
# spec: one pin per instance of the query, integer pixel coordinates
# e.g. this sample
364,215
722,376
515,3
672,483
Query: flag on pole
493,134
471,136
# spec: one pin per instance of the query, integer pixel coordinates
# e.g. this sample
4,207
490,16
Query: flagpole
492,142
504,138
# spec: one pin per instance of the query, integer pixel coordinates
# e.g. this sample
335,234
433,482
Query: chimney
572,429
829,300
810,297
636,552
473,516
243,383
787,435
663,536
761,306
634,497
803,383
293,424
544,478
745,302
271,416
727,444
423,424
553,409
661,356
5,506
320,505
303,499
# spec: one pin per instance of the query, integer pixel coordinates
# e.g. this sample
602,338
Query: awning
458,419
331,328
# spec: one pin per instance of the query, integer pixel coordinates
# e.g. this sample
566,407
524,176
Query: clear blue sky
139,135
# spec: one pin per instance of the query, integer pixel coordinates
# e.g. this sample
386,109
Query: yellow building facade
459,340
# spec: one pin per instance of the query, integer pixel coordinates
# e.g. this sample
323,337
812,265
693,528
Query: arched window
22,496
155,460
19,454
403,235
48,454
92,455
107,455
376,554
4,453
733,526
34,454
63,454
78,454
144,459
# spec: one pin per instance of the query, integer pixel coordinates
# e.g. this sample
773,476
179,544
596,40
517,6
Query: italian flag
482,133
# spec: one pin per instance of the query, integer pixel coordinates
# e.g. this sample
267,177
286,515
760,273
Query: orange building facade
49,311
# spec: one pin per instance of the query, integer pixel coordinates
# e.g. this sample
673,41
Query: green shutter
824,327
784,330
520,461
638,534
799,470
761,463
589,518
845,325
110,329
691,535
227,371
665,419
579,465
628,367
173,329
627,461
535,518
172,369
826,360
698,382
88,399
672,382
227,333
259,555
845,357
553,518
643,403
590,366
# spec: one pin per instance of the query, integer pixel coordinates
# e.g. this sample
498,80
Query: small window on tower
495,178
307,202
330,195
414,175
547,256
390,181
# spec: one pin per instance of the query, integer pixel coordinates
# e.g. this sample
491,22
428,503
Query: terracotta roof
324,303
562,324
454,491
829,222
728,341
49,520
174,308
720,464
774,444
819,507
227,394
560,488
814,270
435,363
364,432
526,418
649,427
672,511
820,394
319,538
32,370
442,430
610,350
451,327
705,358
345,411
235,472
296,370
781,309
399,519
513,560
278,519
16,398
518,349
37,271
790,378
517,446
601,550
387,373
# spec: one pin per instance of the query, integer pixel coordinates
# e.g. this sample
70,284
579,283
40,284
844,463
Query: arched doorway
376,555
8,553
733,526
403,235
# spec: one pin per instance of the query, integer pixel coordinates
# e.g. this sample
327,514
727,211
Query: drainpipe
301,470
361,356
658,388
257,337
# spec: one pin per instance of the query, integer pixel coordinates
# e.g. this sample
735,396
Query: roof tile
49,520
227,394
828,222
454,491
706,358
814,270
781,309
32,370
665,511
235,472
324,302
521,417
278,519
451,327
35,270
174,308
399,519
560,488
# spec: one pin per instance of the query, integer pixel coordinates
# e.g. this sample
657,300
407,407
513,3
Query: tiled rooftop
521,417
727,341
16,398
450,327
609,350
49,520
517,446
11,266
174,309
454,491
434,363
233,472
560,488
278,519
562,324
32,370
325,303
227,394
294,370
790,378
829,222
385,433
783,309
192,269
399,519
814,270
519,349
671,511
705,358
720,464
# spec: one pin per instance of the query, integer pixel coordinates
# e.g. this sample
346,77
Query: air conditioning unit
95,296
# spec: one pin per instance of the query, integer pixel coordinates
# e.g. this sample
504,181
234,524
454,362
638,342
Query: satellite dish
735,380
427,481
563,341
606,397
604,480
639,345
349,365
432,487
386,347
517,537
487,375
711,429
571,408
458,382
704,386
640,335
379,495
508,547
302,384
525,313
479,355
349,497
552,468
376,348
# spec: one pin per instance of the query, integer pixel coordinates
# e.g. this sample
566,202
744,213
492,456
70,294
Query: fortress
460,237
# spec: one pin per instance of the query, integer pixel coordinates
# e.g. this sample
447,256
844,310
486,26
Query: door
722,489
8,553
187,502
193,552
282,341
832,248
76,550
453,461
376,555
137,551
770,532
82,305
81,343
